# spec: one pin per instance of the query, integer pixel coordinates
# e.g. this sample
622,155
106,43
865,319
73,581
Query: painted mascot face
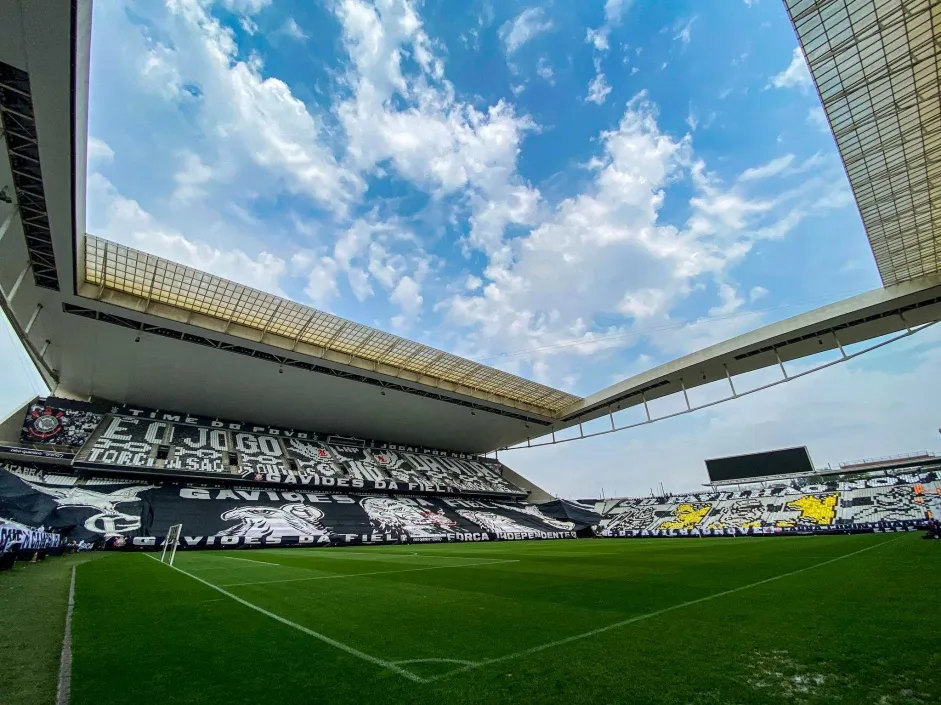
394,515
287,520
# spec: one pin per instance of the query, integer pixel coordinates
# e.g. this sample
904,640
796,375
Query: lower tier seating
130,513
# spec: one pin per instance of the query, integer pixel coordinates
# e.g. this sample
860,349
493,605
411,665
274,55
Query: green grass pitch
851,619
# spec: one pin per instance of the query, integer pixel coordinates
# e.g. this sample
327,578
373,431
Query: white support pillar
42,352
685,395
839,345
16,284
32,319
729,377
611,416
780,363
643,396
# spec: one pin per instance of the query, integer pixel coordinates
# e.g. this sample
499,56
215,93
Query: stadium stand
113,439
22,542
876,503
130,513
123,475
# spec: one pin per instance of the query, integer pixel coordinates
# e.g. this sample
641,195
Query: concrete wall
11,426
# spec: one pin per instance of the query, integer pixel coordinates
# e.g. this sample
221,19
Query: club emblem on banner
45,423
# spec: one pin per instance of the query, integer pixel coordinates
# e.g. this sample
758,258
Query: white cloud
99,152
191,178
817,117
240,111
407,296
684,32
756,293
598,88
614,11
247,7
730,301
692,119
544,70
772,168
123,220
523,28
796,75
293,30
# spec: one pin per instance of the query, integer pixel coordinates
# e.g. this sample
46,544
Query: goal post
172,541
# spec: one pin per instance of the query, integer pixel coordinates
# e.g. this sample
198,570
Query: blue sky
571,191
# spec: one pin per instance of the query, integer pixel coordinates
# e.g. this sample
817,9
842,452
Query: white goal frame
173,535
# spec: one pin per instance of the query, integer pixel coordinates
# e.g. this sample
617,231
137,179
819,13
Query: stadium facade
173,390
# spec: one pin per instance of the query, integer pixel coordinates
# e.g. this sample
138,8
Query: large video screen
773,462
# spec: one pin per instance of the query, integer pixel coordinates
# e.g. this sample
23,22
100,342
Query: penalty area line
309,632
649,615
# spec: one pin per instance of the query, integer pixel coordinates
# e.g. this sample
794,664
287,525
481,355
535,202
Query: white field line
437,660
65,661
357,575
648,615
325,553
310,632
229,567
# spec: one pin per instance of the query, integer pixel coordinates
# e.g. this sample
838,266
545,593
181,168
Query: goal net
169,546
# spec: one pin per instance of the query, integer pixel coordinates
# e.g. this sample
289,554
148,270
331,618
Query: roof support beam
8,221
32,319
19,280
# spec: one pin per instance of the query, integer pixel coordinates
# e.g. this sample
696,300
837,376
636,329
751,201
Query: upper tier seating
176,444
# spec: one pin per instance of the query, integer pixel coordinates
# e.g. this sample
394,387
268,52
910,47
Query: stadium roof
81,306
877,67
144,282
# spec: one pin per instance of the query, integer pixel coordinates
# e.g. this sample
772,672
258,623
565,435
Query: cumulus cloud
99,152
614,11
796,75
124,220
817,117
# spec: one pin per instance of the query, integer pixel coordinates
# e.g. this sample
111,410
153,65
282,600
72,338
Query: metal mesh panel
119,268
876,65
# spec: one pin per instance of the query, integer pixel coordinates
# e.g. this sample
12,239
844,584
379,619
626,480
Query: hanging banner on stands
134,514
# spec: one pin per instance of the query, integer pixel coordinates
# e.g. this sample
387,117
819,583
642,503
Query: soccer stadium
222,495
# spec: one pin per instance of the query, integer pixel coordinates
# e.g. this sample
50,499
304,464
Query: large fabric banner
344,464
129,514
839,506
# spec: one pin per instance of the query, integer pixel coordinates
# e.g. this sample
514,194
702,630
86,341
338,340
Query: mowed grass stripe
301,628
862,625
657,613
375,572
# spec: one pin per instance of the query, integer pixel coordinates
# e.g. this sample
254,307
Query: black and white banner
164,446
881,501
129,514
